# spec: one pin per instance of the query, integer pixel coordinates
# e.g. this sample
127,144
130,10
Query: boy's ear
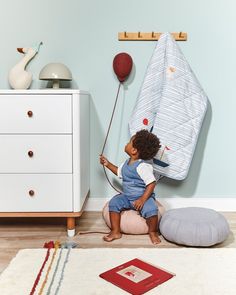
134,151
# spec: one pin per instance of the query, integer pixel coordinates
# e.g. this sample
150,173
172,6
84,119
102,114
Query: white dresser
44,153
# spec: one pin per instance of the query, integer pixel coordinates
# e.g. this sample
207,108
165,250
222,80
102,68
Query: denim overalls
133,188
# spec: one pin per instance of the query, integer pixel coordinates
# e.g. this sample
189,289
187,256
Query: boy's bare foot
154,238
112,236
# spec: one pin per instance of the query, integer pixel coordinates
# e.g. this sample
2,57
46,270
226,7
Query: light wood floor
23,233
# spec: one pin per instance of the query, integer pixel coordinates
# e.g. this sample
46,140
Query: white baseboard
218,204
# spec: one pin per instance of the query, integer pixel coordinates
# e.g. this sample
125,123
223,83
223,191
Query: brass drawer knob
30,154
30,114
31,193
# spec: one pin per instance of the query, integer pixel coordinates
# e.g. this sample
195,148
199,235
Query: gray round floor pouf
194,226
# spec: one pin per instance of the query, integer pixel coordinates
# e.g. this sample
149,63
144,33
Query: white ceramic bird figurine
18,77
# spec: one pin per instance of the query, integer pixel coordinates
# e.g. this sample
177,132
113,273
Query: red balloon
122,65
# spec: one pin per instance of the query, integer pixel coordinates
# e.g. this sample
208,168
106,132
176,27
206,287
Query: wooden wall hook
150,36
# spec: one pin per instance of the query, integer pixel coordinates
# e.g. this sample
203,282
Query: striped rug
76,271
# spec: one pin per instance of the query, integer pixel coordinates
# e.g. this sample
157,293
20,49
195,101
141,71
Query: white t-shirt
144,170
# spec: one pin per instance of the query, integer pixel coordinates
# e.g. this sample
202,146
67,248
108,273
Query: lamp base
55,84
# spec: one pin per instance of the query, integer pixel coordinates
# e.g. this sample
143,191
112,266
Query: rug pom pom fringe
69,245
48,245
57,244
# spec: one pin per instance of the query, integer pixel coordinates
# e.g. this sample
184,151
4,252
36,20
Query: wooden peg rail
151,36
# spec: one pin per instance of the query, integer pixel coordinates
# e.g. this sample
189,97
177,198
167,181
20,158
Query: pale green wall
83,35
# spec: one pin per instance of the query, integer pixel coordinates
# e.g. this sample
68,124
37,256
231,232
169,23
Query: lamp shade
55,72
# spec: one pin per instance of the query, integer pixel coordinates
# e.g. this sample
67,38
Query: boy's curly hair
146,143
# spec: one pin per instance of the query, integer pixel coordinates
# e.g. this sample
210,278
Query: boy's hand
104,161
138,204
108,164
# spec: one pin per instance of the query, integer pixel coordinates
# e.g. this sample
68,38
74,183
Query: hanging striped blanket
171,104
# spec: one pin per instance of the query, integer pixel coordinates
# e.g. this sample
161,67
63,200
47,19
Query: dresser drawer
35,113
35,153
36,193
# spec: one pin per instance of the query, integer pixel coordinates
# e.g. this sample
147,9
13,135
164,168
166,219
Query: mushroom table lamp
55,72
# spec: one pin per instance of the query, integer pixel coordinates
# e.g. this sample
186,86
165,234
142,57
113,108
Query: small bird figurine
18,77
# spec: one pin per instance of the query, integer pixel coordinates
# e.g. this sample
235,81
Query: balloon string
116,189
117,94
111,119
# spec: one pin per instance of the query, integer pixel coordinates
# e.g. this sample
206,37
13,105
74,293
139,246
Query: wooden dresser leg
70,226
